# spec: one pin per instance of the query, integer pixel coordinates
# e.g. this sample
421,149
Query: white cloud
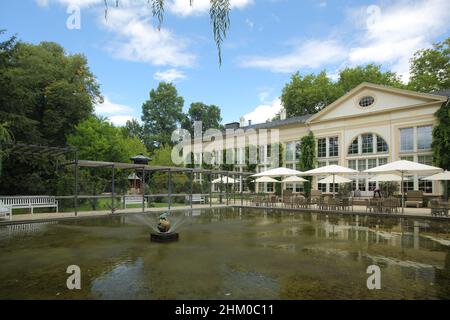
311,54
249,23
169,75
264,112
392,34
138,40
118,114
199,7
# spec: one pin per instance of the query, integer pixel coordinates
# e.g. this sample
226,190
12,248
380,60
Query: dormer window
367,101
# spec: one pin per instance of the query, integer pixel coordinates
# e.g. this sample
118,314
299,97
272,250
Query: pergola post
169,187
143,189
227,192
76,184
221,187
113,188
242,189
234,188
191,178
210,189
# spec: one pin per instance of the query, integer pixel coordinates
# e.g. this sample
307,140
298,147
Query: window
372,163
322,148
298,151
269,151
321,164
424,137
366,101
367,143
333,147
407,158
408,185
372,185
299,188
353,149
362,184
322,186
381,145
262,154
289,166
425,159
352,164
290,151
289,187
382,161
407,139
362,165
331,163
269,187
425,186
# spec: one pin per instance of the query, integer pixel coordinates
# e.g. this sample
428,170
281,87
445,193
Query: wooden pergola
149,169
55,152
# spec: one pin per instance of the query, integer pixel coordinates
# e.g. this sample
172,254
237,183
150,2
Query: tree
307,158
308,94
97,139
208,115
134,129
219,13
349,78
430,68
161,115
45,93
441,139
5,138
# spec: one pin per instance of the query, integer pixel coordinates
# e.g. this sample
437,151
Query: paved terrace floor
39,217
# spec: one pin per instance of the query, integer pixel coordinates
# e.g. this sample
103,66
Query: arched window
368,143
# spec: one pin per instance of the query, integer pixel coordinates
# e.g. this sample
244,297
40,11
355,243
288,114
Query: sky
267,42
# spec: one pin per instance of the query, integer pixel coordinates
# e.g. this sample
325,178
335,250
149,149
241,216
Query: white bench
133,200
30,202
5,210
198,198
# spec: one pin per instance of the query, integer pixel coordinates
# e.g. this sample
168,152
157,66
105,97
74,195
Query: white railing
133,200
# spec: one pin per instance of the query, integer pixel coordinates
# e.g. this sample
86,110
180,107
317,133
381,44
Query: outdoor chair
414,198
287,201
346,204
438,208
373,205
390,205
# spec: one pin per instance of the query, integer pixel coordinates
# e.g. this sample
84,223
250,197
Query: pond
228,254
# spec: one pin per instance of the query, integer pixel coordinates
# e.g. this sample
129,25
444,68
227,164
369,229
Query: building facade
369,126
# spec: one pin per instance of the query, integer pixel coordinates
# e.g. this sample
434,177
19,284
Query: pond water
228,254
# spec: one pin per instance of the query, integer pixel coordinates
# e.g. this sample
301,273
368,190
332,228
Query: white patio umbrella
294,179
404,167
334,179
332,170
278,172
267,180
389,177
442,176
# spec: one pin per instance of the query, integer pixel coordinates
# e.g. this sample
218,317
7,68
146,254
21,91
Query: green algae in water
229,254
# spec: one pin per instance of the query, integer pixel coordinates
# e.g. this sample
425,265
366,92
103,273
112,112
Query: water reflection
226,253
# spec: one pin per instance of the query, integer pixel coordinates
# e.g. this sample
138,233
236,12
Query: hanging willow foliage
219,13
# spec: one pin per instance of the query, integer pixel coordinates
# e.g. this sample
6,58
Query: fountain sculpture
164,235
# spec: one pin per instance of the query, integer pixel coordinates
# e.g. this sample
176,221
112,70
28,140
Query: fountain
164,233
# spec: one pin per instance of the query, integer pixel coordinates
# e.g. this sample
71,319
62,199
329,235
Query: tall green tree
44,92
97,139
349,78
307,158
441,140
209,115
308,94
161,115
430,68
134,129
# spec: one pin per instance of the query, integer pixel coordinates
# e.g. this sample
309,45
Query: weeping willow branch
219,13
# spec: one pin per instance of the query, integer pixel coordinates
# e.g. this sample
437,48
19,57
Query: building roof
442,92
279,123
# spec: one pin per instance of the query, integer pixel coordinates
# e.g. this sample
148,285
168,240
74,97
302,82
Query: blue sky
267,42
